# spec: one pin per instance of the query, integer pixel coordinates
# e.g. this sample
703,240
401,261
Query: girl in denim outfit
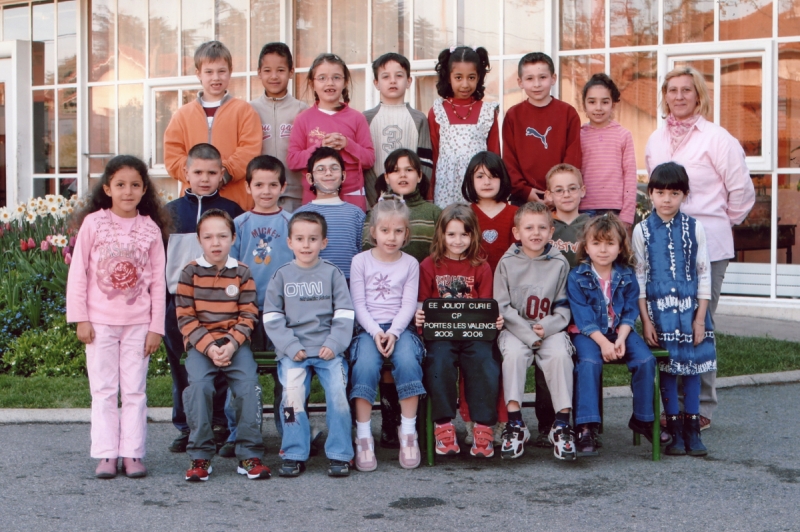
384,283
603,296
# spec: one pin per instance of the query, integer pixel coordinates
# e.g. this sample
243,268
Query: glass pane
16,23
301,88
582,24
788,18
349,38
163,38
44,142
43,46
311,31
706,68
751,239
426,92
636,76
575,72
524,26
688,21
102,107
188,95
43,187
433,28
67,42
257,89
131,120
169,186
132,33
789,105
391,22
358,90
740,101
102,40
238,88
492,82
512,94
68,187
68,131
481,25
166,105
195,30
745,20
788,219
231,28
265,26
634,22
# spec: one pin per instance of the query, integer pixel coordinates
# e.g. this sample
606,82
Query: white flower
64,211
53,209
59,240
30,217
51,199
170,196
5,216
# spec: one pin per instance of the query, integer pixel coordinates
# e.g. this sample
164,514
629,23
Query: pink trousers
117,366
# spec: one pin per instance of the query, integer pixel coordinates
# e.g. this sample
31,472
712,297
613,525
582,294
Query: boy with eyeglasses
565,190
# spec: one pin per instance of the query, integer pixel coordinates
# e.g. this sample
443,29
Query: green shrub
51,352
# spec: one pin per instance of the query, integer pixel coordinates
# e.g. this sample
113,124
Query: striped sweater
214,304
345,223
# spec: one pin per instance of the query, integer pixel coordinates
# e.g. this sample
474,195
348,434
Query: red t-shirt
454,279
496,235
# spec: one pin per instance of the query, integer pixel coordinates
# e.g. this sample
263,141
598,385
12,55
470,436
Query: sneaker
705,423
339,468
410,455
179,444
446,442
586,444
106,468
515,436
542,440
482,446
563,440
365,454
497,435
291,468
228,450
134,468
199,471
468,439
253,468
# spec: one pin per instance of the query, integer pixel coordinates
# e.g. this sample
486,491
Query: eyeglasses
561,191
322,170
323,79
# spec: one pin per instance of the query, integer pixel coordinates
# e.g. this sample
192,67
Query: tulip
45,245
64,251
68,258
31,243
23,246
72,242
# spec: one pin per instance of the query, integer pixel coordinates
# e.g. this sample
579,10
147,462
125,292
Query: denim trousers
295,378
366,362
589,369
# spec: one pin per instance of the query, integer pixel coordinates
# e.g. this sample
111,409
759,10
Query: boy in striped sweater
217,310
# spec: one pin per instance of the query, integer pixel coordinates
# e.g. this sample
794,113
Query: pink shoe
107,468
483,446
134,468
365,455
409,450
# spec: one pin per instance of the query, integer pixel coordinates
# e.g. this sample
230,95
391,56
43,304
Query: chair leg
429,437
600,402
656,420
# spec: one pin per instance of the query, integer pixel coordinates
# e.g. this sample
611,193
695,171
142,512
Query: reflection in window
390,27
358,89
480,25
44,142
102,36
163,19
433,27
68,130
636,77
16,23
788,220
131,119
43,46
788,18
575,72
512,94
751,239
426,92
132,33
349,30
740,101
102,111
634,22
231,29
745,20
789,105
688,21
265,27
195,30
582,24
311,30
523,27
67,42
166,105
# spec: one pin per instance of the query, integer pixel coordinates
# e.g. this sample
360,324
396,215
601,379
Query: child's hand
619,348
499,323
326,354
649,333
85,332
539,330
300,356
151,343
226,353
385,343
534,195
336,141
419,318
608,351
698,331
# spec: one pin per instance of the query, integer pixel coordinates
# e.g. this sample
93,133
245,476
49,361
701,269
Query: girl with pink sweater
116,293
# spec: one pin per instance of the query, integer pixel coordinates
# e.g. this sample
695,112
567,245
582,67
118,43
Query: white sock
408,425
363,430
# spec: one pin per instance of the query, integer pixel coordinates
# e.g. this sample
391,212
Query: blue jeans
296,380
367,361
589,370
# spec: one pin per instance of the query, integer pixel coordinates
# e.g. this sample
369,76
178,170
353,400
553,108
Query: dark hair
463,54
391,56
669,176
267,163
390,164
533,207
203,151
277,48
465,215
212,51
494,165
217,213
601,79
323,152
336,60
533,58
311,217
149,205
604,228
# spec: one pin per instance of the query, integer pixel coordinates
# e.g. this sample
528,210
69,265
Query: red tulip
31,243
45,245
23,245
64,251
68,258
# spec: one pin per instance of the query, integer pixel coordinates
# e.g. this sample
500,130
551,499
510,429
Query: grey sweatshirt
530,291
308,309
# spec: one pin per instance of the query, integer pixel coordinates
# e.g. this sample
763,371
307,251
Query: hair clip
453,49
395,197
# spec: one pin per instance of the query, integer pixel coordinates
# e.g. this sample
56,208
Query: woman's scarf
679,129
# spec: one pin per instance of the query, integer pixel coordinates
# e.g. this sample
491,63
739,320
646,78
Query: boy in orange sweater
229,124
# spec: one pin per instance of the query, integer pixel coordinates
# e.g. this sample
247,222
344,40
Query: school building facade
83,80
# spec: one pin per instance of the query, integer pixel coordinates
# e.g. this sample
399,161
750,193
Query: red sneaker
446,443
483,446
253,468
199,471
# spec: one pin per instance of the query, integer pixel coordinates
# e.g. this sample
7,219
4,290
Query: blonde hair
703,99
212,51
565,169
389,205
533,207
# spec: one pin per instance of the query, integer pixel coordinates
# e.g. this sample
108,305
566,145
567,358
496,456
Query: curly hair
463,54
606,228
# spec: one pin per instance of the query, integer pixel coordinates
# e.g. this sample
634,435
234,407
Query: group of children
336,288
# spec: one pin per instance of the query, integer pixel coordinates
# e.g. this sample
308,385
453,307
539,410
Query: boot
675,428
691,433
390,415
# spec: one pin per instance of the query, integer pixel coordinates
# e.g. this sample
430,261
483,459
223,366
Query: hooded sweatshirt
530,291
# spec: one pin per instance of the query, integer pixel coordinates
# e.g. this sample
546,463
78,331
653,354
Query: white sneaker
563,439
469,439
514,439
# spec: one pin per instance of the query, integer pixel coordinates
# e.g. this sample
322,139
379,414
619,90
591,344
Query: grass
736,356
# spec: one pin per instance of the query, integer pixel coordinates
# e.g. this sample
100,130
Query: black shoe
542,440
691,435
675,428
586,444
291,468
645,428
389,438
339,468
179,444
228,450
221,434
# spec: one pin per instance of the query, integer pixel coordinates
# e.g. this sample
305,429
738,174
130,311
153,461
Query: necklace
469,111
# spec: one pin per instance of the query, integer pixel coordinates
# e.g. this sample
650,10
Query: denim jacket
588,304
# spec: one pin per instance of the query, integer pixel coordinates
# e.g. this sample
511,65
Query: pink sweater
720,190
311,126
609,169
117,272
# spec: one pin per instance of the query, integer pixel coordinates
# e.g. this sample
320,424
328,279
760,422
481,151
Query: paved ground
750,481
748,326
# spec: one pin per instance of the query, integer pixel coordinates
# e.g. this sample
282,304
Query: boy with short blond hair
216,117
565,190
530,286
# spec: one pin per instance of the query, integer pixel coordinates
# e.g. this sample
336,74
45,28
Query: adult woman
721,192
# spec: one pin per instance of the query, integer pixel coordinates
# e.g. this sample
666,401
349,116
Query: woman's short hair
703,99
